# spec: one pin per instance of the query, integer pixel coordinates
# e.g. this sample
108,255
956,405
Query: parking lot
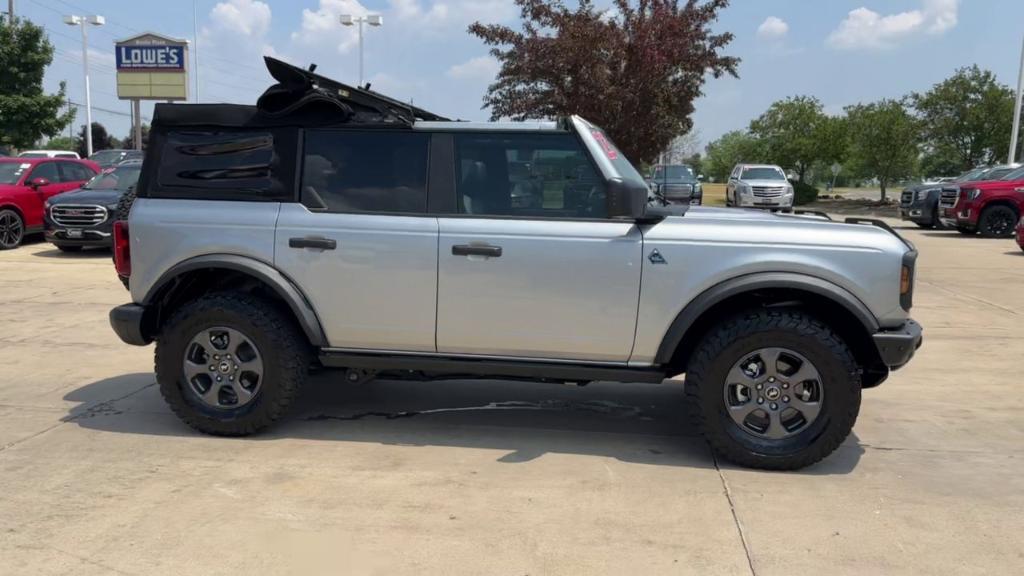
98,477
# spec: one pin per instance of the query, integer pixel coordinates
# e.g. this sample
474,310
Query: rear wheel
231,364
997,222
774,389
12,229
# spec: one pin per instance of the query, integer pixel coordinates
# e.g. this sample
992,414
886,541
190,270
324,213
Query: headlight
789,190
973,193
743,189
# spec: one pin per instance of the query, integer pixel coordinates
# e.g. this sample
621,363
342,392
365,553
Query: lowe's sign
150,57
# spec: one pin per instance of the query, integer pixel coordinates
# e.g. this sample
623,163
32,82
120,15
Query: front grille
907,198
768,191
676,189
949,197
78,216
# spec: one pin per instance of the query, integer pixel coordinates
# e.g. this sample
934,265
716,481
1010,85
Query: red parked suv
26,184
991,207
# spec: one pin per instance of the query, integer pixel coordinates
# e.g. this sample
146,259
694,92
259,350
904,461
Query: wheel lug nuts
231,378
219,379
760,386
785,386
236,366
212,368
785,399
228,356
771,378
760,400
216,356
775,406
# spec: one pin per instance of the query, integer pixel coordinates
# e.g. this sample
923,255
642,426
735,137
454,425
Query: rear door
530,267
360,244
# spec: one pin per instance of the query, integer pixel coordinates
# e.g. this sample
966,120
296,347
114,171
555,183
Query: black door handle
313,242
476,250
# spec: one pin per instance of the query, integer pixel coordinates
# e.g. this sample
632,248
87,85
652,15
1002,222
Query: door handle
313,242
476,250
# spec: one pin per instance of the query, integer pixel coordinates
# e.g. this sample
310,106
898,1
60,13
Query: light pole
372,20
1016,111
81,22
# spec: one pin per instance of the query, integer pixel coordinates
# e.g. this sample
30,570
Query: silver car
758,186
399,244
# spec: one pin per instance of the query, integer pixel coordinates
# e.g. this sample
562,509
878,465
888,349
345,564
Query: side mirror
38,183
626,201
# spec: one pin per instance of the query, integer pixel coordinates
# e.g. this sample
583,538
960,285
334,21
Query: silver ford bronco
332,227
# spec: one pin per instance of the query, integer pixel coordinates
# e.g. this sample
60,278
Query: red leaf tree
633,70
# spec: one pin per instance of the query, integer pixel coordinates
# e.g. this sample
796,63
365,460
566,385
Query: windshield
673,173
1017,174
762,173
33,155
117,179
995,173
107,156
971,175
10,172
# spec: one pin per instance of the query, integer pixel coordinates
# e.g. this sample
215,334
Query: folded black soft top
299,98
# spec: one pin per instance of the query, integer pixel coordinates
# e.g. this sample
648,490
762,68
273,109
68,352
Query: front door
360,245
530,268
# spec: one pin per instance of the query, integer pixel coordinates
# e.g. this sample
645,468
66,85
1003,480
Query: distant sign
152,67
150,58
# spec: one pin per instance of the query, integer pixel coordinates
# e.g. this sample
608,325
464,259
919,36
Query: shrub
803,193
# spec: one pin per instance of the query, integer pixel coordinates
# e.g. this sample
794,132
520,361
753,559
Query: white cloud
322,26
773,28
479,68
865,29
247,17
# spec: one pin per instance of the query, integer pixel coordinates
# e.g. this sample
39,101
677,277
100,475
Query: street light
372,20
81,22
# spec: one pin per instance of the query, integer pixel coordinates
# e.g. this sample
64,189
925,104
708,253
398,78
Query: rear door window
365,171
46,170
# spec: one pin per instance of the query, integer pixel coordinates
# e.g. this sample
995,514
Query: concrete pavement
97,477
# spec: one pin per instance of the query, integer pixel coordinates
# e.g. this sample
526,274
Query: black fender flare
263,272
759,281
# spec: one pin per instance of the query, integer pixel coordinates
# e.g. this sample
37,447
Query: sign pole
1016,110
137,115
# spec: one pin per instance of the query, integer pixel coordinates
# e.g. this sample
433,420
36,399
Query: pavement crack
735,515
969,297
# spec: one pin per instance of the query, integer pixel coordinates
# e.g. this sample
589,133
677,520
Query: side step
490,367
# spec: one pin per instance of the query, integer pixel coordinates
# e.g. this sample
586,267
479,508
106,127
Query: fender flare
282,286
757,281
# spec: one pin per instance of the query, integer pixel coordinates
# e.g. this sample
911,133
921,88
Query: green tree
884,140
791,131
27,113
129,140
101,140
62,143
731,149
970,115
940,161
635,70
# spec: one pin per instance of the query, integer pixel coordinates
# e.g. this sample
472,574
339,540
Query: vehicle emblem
656,258
74,213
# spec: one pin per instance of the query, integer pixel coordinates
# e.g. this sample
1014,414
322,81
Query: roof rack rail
880,224
811,213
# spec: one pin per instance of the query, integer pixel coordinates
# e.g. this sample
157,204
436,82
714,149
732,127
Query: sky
841,51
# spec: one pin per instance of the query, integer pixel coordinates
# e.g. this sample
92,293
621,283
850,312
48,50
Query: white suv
758,186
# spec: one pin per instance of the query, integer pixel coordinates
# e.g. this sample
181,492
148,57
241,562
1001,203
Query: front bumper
897,346
128,322
918,213
775,203
98,235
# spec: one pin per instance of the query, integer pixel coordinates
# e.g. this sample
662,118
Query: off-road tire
14,238
68,248
994,215
727,343
285,351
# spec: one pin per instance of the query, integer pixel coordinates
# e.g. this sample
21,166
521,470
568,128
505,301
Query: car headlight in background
972,193
789,190
744,189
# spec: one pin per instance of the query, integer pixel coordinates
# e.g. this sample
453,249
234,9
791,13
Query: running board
490,368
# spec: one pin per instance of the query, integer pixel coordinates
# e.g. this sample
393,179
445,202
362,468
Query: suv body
676,184
26,184
393,246
991,207
920,204
85,217
758,186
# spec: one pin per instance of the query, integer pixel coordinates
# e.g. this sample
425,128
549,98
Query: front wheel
12,229
231,364
774,389
997,222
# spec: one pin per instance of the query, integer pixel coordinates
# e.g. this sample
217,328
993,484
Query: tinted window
10,172
73,172
118,179
223,164
527,175
673,173
346,171
762,173
46,170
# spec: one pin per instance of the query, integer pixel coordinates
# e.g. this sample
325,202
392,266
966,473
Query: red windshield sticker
609,150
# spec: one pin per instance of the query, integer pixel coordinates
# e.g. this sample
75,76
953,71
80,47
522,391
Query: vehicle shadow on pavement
636,423
86,253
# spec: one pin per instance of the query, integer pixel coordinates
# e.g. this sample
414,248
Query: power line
107,110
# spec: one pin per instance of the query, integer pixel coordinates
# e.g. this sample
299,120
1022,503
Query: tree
635,71
62,143
681,147
969,114
101,140
27,113
792,131
940,161
883,141
732,148
129,140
